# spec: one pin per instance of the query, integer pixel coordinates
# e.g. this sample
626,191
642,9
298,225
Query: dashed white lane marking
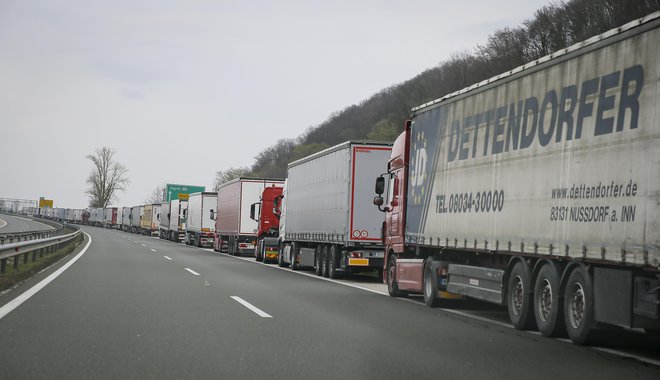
618,353
192,271
250,306
167,257
153,250
16,302
144,245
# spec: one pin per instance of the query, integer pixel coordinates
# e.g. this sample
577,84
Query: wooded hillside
381,117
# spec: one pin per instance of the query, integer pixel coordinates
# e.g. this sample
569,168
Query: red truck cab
266,213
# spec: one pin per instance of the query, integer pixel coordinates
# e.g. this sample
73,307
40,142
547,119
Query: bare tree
227,175
156,196
107,177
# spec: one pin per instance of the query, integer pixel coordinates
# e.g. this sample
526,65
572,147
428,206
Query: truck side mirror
380,185
378,201
212,214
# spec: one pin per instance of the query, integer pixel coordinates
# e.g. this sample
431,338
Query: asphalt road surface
136,307
14,223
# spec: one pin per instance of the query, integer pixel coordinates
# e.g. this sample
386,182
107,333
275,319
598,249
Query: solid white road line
153,250
167,257
255,309
16,302
192,271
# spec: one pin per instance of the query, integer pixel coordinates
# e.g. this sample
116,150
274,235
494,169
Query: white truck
538,190
164,222
136,218
235,231
200,228
327,220
176,228
126,219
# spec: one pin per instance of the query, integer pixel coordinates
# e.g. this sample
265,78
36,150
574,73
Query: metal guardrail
38,247
12,237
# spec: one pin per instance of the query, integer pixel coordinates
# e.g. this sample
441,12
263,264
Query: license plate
358,262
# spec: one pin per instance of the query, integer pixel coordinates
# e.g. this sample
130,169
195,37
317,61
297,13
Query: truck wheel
325,264
230,246
579,306
257,253
280,259
318,258
392,287
332,263
519,297
294,256
547,307
430,285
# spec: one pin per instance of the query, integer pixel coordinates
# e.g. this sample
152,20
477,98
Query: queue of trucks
537,190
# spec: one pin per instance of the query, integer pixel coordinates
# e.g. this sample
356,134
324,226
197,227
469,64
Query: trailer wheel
295,247
430,285
579,305
519,297
332,262
280,258
325,264
318,256
392,287
547,304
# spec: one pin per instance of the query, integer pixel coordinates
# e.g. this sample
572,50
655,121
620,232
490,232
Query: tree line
381,117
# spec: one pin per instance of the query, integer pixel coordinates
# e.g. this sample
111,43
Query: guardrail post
3,265
16,259
34,255
25,257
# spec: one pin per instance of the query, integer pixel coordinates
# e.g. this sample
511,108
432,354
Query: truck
164,225
110,217
327,220
176,228
136,218
537,190
267,214
149,225
234,230
200,228
126,219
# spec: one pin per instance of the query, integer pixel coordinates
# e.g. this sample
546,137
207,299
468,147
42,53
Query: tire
230,246
392,287
280,259
332,263
547,305
579,306
294,256
519,297
318,260
258,254
430,285
325,264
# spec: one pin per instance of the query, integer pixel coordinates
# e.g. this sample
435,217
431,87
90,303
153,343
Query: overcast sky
181,89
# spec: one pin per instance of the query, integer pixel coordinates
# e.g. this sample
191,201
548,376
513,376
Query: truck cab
266,213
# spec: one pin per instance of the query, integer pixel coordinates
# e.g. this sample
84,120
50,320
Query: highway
14,224
136,307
